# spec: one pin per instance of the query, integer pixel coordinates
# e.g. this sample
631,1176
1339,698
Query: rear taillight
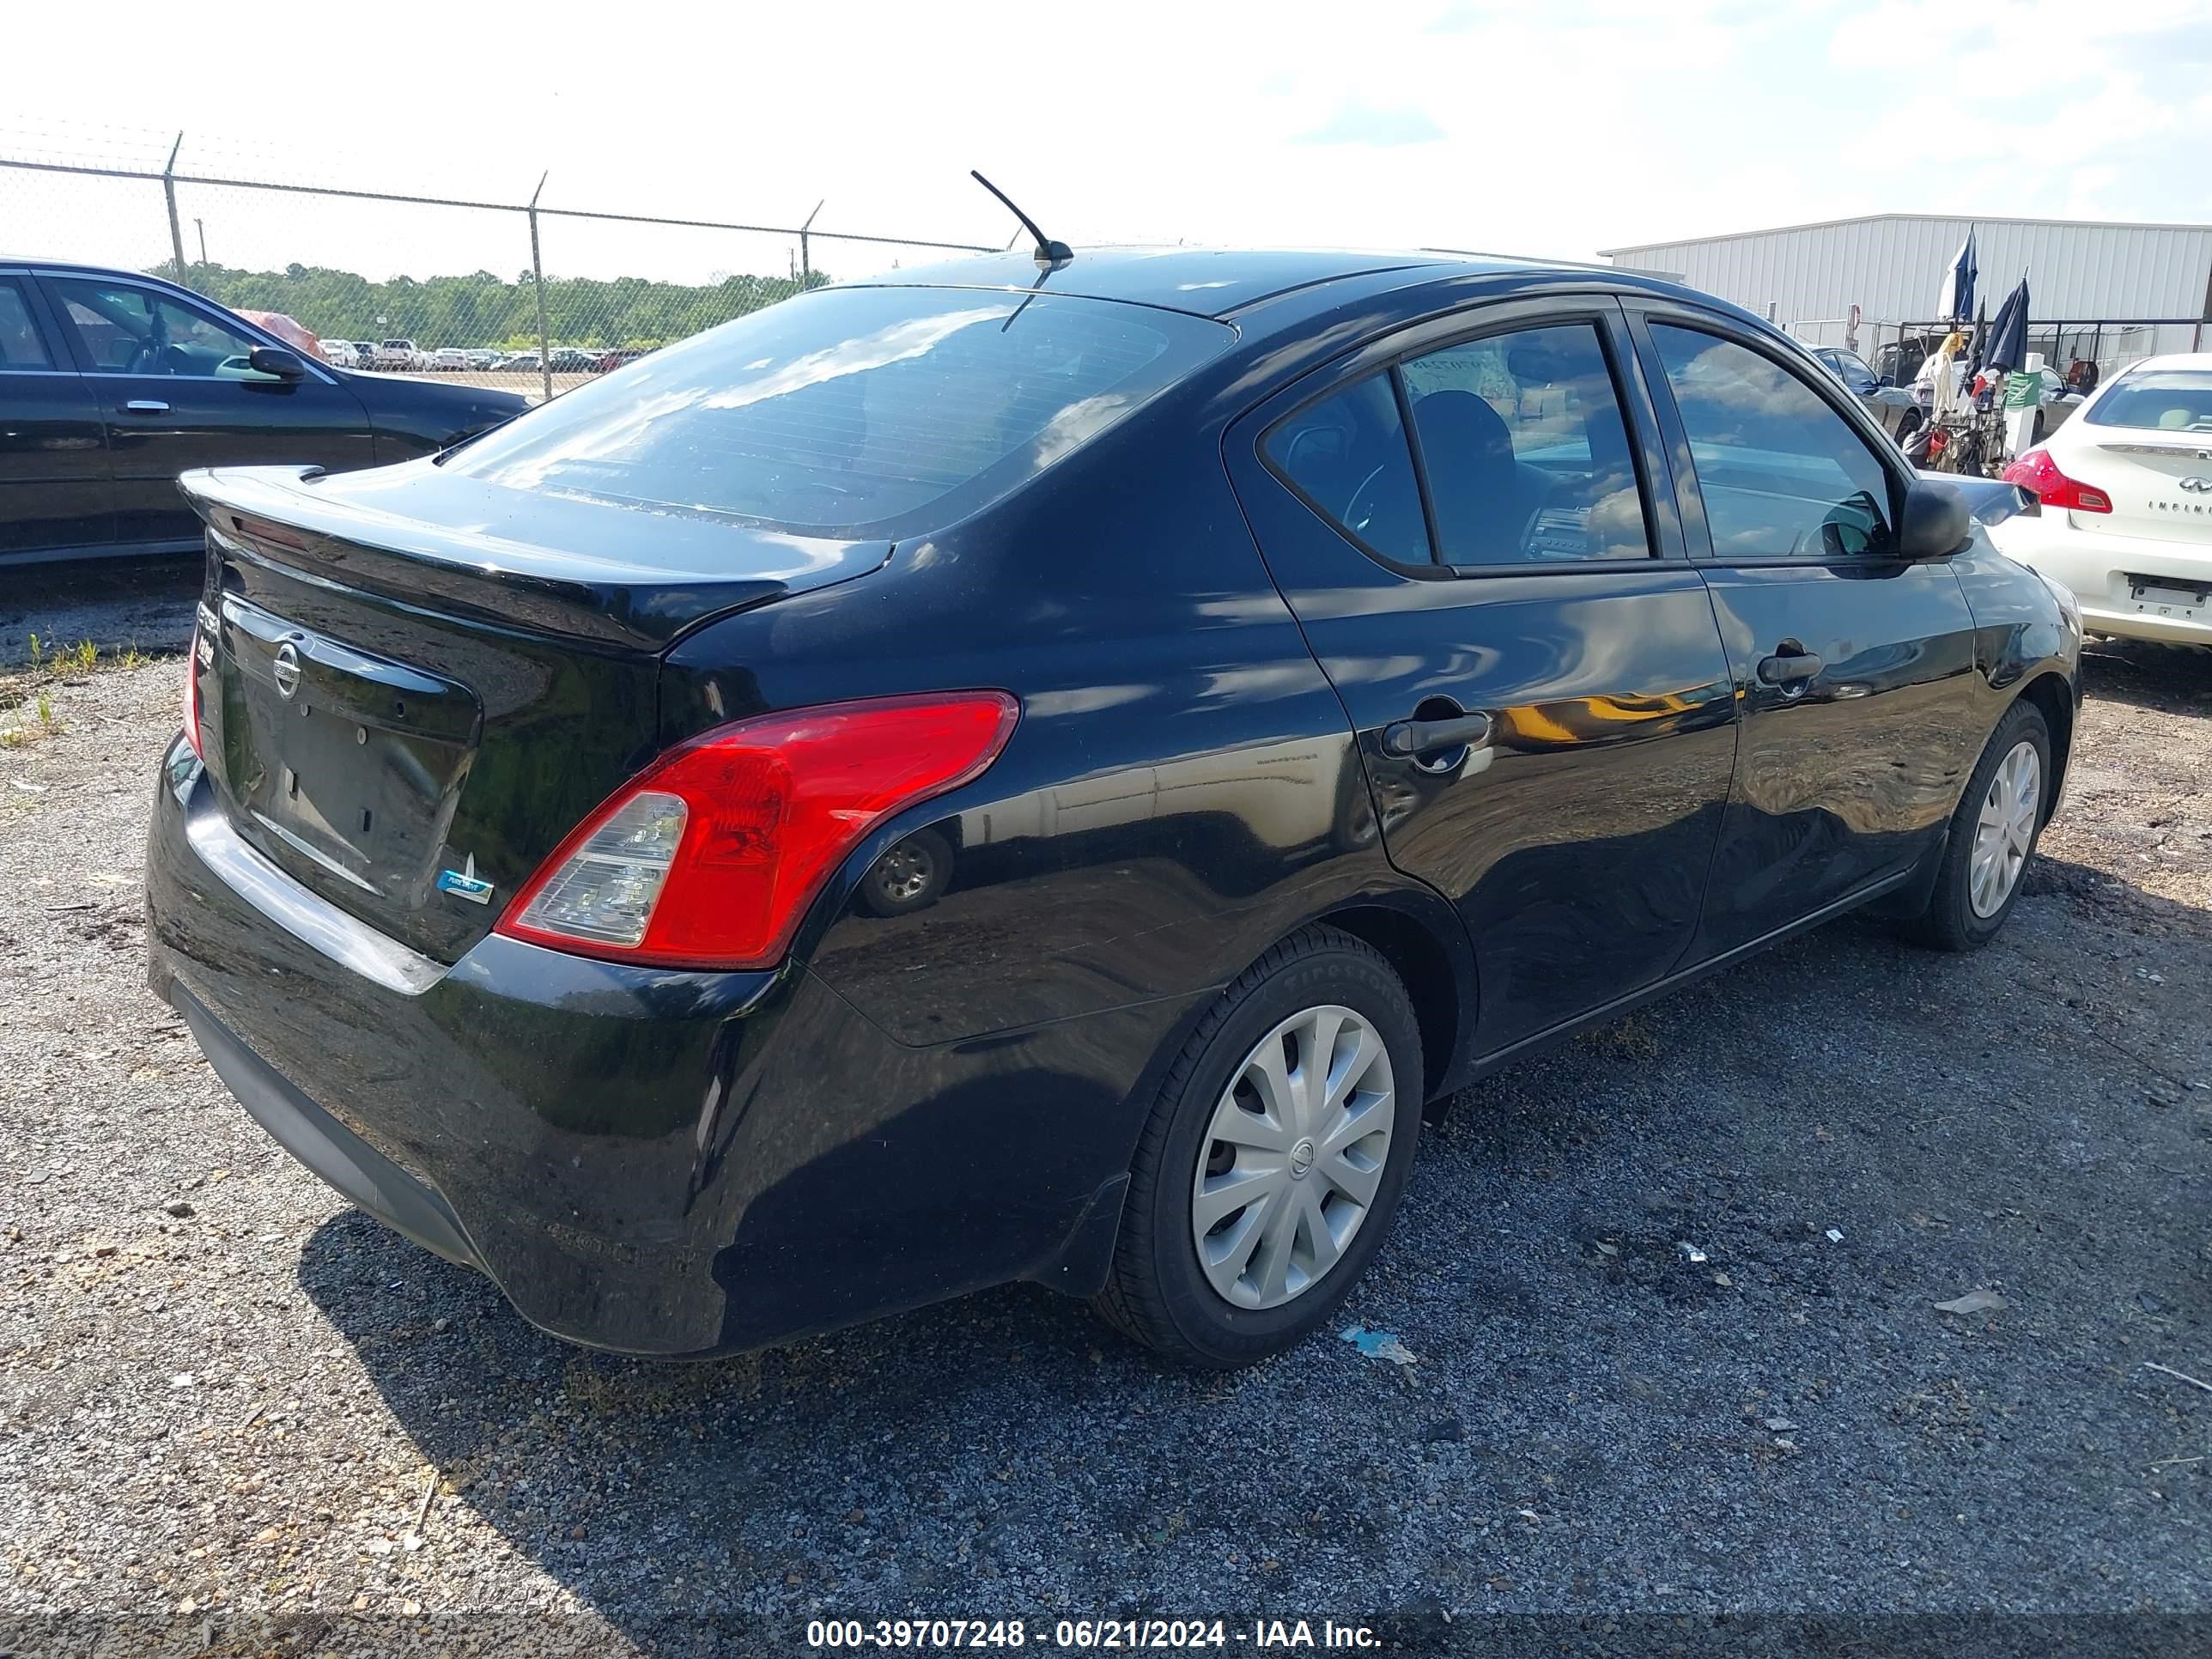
2036,470
710,856
193,697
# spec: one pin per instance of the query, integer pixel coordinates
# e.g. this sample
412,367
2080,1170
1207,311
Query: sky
1549,129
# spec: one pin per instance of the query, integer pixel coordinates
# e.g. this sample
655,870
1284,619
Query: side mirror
1888,380
1937,523
277,360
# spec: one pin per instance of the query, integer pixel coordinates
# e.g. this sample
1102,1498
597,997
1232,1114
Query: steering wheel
1360,510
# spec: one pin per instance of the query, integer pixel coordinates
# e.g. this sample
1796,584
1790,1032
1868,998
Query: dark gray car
1894,406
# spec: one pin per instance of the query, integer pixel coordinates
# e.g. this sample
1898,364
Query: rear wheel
1993,835
1274,1158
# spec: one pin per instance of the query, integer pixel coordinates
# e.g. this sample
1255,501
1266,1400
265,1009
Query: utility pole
537,280
805,259
169,190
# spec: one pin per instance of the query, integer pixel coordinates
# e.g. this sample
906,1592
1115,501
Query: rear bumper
322,1143
654,1162
2096,565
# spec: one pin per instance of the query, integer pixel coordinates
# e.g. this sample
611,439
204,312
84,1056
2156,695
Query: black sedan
1045,773
112,383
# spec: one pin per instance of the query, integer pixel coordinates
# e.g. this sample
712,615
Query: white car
449,357
2126,489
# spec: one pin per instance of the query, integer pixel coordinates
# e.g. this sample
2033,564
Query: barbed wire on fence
425,283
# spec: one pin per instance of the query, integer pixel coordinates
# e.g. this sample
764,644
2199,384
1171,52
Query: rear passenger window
1782,475
1525,449
1347,456
20,345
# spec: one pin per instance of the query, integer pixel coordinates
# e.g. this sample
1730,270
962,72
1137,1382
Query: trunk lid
414,684
2160,488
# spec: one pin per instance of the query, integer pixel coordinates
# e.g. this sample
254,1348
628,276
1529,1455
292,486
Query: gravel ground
236,1416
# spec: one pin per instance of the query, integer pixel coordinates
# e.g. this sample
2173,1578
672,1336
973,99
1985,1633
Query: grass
31,718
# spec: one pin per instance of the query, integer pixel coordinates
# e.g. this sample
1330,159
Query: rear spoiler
590,570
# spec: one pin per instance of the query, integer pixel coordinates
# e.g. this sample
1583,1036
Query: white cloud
1579,126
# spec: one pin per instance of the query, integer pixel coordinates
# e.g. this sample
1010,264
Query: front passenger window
133,331
1782,475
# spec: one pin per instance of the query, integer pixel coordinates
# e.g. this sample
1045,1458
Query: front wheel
1272,1166
1993,835
911,875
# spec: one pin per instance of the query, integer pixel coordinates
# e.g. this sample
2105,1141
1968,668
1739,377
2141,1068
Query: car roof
2200,361
1269,292
1216,283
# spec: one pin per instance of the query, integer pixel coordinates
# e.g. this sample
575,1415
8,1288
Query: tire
1159,1291
1953,920
911,875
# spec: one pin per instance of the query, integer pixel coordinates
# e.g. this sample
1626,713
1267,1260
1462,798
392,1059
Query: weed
37,653
82,658
45,711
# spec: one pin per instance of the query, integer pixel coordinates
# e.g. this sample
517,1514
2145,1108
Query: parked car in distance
451,358
574,360
613,360
750,846
480,359
396,354
2126,492
518,362
336,352
1896,408
112,383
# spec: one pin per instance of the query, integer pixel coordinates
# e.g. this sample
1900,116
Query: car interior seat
1474,484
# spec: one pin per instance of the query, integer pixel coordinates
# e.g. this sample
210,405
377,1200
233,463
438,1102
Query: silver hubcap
2005,831
1293,1157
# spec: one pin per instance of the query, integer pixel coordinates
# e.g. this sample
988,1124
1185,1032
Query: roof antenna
1049,255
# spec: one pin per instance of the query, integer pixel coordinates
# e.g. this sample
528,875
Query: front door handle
147,406
1408,739
1791,664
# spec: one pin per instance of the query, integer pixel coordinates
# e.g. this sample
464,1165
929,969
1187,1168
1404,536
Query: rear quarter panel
1183,788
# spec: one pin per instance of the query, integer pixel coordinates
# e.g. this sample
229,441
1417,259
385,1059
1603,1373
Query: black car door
55,492
1853,669
175,393
1483,555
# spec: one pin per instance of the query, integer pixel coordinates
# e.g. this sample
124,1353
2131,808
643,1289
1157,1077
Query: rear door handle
1788,666
1406,739
147,406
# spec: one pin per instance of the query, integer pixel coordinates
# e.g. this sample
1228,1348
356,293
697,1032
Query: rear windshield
2158,400
873,411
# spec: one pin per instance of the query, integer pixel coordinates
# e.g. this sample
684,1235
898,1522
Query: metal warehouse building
2112,293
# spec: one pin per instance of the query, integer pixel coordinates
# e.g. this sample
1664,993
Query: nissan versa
1040,770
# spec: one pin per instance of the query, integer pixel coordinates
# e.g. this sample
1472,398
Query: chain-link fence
522,294
2077,351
